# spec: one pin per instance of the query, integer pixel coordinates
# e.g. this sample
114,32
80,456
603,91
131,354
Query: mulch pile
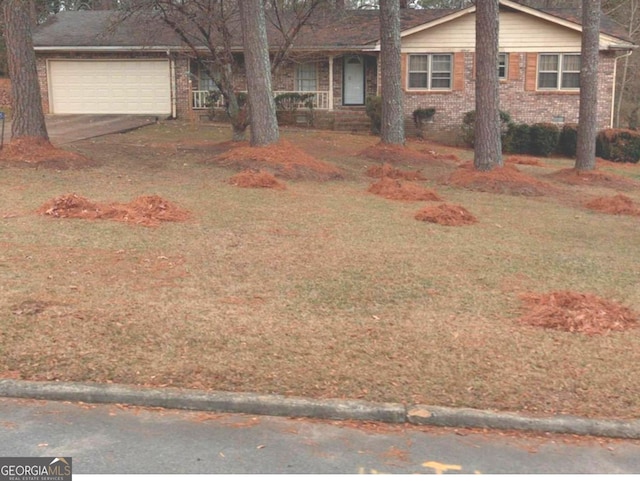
500,180
576,312
593,178
36,152
617,205
386,170
395,189
251,178
446,214
148,210
282,159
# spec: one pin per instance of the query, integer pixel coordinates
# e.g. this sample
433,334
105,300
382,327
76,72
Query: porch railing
320,99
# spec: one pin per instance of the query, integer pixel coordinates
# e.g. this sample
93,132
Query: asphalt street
116,439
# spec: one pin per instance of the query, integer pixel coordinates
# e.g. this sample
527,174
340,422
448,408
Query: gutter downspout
172,82
615,112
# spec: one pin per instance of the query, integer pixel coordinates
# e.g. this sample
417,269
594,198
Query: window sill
426,92
558,92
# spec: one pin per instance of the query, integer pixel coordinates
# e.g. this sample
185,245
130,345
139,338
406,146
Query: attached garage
109,86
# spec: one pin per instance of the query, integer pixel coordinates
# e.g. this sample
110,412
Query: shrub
374,111
422,115
291,101
288,103
568,140
469,126
618,145
421,118
544,138
518,139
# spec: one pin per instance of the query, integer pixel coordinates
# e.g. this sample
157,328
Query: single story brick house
88,63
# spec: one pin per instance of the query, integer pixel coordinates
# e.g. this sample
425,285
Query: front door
353,80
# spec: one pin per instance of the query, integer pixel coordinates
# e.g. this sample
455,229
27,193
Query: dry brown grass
319,290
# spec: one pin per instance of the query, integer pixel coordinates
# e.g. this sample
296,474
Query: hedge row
543,139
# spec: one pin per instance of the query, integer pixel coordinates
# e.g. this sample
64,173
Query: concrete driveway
65,129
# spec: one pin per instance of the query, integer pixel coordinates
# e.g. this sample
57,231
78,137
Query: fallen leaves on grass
386,170
499,180
251,178
147,210
282,158
392,153
38,152
446,214
394,189
523,160
617,205
576,312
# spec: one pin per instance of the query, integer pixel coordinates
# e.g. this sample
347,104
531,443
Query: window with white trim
430,72
307,77
503,66
559,71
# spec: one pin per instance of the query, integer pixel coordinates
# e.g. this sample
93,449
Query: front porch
333,82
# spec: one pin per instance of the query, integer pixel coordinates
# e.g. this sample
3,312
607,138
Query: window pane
502,66
548,63
418,63
571,81
571,63
306,77
441,63
418,81
441,83
548,81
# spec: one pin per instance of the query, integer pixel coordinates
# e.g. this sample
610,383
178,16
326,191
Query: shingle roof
328,29
607,25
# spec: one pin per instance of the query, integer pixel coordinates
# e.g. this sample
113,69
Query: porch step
352,119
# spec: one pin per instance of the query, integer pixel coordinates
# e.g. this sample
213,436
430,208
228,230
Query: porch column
330,82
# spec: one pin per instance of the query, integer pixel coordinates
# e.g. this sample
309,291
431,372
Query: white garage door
110,87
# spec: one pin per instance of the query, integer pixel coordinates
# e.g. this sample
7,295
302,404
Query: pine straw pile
446,214
252,179
37,152
386,170
147,210
576,312
499,180
616,205
282,159
395,189
593,178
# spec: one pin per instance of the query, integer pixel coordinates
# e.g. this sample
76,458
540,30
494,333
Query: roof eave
109,48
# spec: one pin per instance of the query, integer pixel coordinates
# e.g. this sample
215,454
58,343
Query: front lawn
319,289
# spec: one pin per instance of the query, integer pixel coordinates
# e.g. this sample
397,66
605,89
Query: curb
335,409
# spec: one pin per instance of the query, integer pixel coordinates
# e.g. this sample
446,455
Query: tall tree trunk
28,116
488,144
262,108
392,128
588,120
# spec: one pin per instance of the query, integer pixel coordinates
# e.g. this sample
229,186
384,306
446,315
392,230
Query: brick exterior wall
523,103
